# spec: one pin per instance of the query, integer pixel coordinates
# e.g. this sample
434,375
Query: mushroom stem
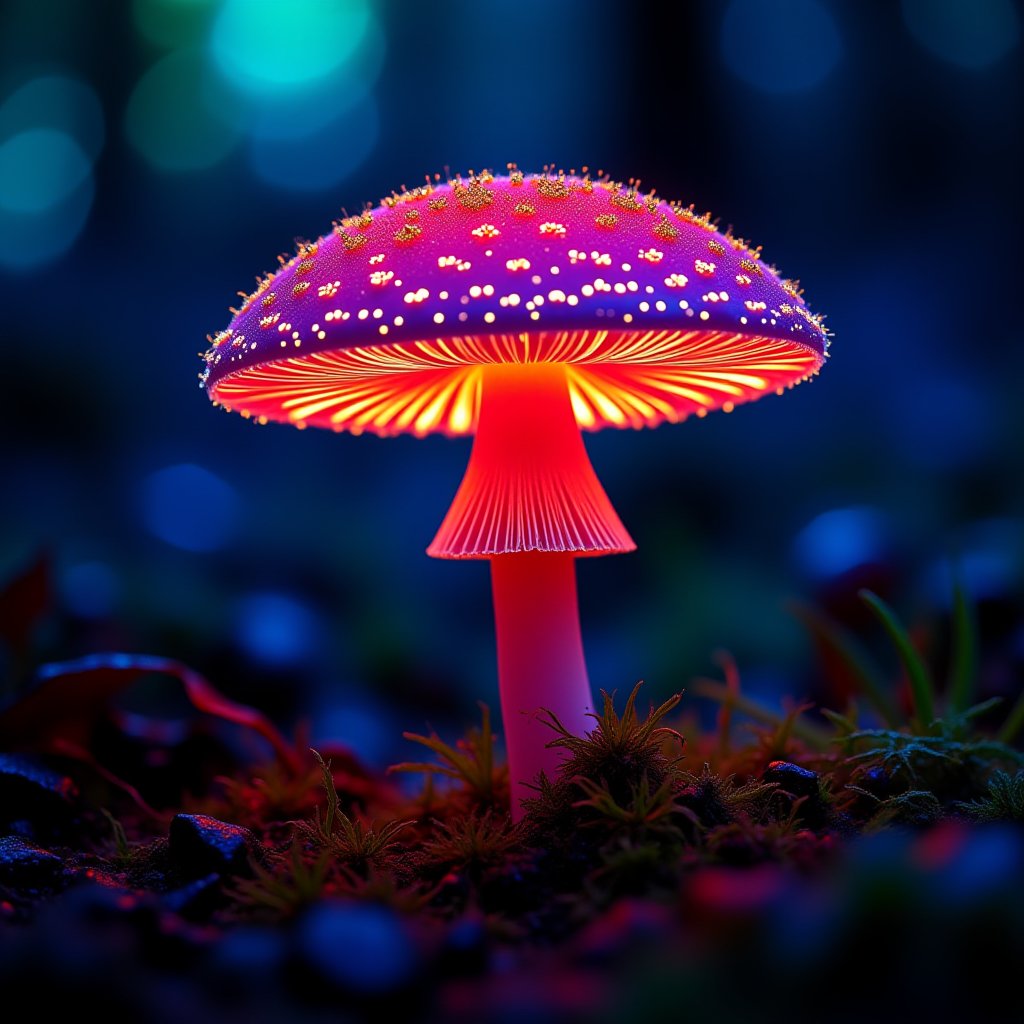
531,503
529,485
540,661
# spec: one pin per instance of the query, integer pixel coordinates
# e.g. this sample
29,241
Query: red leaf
70,695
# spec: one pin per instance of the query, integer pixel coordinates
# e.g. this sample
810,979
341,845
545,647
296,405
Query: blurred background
156,155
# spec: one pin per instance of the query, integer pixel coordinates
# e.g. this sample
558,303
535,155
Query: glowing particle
518,264
407,233
472,196
704,268
650,255
552,228
665,230
552,188
627,201
676,281
379,278
350,242
485,231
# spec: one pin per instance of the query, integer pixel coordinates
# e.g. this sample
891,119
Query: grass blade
712,689
922,689
1014,722
964,655
854,659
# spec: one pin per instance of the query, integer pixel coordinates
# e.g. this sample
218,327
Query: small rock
792,778
34,797
359,948
25,864
876,780
200,845
197,900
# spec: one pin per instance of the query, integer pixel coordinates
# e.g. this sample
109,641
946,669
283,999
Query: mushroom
520,309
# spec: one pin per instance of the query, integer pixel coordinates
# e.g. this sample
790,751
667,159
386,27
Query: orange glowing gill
616,378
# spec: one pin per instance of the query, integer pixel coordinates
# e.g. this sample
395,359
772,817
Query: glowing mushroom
520,309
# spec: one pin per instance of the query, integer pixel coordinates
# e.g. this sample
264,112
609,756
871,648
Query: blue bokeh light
971,35
988,562
189,507
839,540
360,947
30,240
40,168
276,629
323,158
784,47
365,724
58,102
89,590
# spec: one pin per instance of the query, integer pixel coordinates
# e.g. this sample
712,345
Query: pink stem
540,661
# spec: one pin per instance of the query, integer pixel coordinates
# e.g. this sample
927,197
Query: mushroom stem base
540,661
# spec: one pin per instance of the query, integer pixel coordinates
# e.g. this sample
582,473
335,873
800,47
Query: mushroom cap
383,324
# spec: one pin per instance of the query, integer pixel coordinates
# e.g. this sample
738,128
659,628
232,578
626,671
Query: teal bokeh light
51,130
59,102
172,23
292,113
32,239
264,46
39,169
973,34
176,115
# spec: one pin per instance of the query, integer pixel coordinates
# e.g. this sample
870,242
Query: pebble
24,864
792,778
200,845
34,799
